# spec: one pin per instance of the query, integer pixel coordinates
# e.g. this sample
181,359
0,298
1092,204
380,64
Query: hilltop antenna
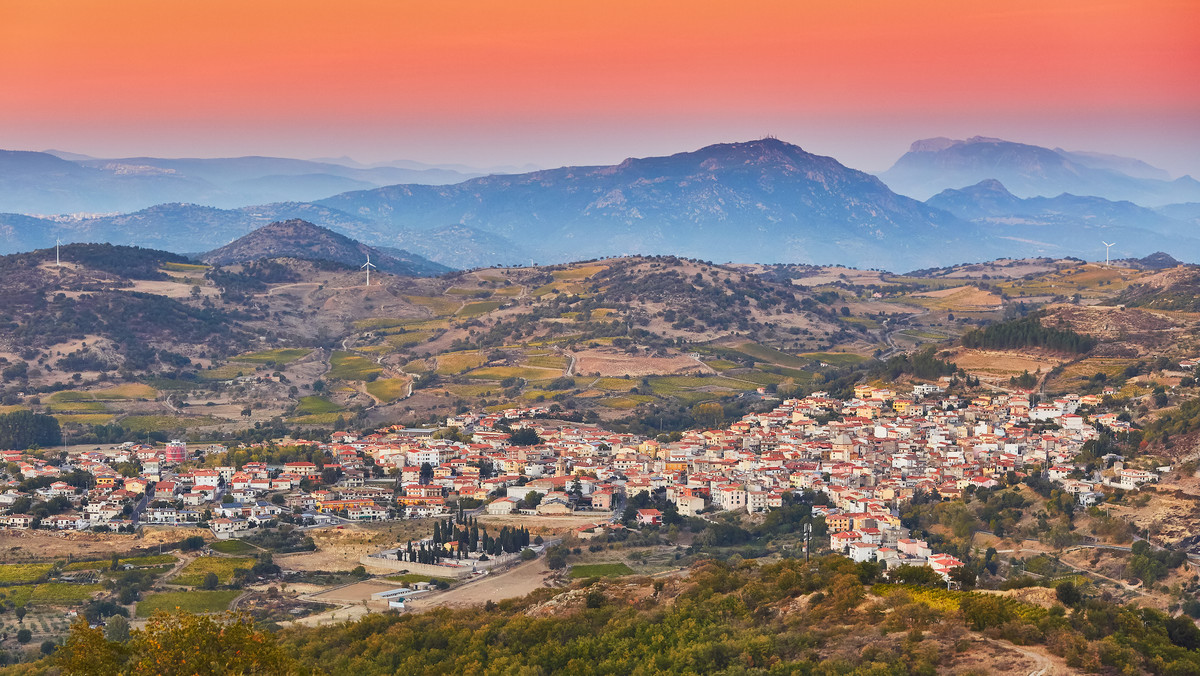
1107,246
367,266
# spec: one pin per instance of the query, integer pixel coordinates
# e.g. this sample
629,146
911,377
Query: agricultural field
50,594
315,405
408,339
349,366
165,423
836,358
600,570
193,574
84,418
772,355
1088,280
226,371
23,573
478,309
185,267
191,601
439,305
389,389
126,391
503,372
136,561
958,299
232,547
280,356
76,407
453,363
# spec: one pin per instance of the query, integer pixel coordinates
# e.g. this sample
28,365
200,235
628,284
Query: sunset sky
553,82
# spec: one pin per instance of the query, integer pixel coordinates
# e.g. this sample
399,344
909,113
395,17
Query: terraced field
280,356
193,574
388,390
350,366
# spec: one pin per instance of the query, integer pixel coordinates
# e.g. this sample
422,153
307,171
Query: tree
24,636
1068,594
117,629
210,581
21,614
48,647
182,643
524,437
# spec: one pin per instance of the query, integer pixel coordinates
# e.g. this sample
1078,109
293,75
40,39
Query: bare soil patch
613,363
510,584
1003,364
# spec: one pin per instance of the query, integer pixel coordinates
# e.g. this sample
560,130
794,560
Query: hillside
1068,223
300,239
758,201
62,183
933,165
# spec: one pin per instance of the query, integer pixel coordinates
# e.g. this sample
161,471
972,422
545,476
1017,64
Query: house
501,506
649,517
861,552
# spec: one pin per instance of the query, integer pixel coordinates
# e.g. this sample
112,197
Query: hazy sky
568,82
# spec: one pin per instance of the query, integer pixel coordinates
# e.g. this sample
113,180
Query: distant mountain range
300,239
1069,223
764,201
761,201
936,164
63,183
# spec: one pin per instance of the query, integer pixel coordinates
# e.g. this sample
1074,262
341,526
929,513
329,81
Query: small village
865,457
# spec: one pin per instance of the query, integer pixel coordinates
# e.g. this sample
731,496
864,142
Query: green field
626,403
600,570
316,405
136,561
503,372
438,305
84,418
772,355
836,358
480,308
349,366
389,389
226,372
453,363
191,601
232,547
22,573
165,423
77,407
193,574
408,338
50,594
126,391
279,356
185,267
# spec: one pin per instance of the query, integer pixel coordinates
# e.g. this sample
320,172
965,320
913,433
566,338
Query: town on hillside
862,458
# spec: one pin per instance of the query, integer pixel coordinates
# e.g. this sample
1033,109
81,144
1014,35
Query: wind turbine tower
367,266
57,260
1107,246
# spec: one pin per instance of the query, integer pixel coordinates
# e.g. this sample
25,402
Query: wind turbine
1107,246
367,266
57,260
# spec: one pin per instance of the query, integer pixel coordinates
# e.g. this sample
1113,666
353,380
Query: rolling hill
300,239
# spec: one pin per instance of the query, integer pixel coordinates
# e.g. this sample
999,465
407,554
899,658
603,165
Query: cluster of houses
866,455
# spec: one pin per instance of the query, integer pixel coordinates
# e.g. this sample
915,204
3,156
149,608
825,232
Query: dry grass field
615,364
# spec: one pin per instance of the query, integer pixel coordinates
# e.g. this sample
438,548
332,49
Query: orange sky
559,81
